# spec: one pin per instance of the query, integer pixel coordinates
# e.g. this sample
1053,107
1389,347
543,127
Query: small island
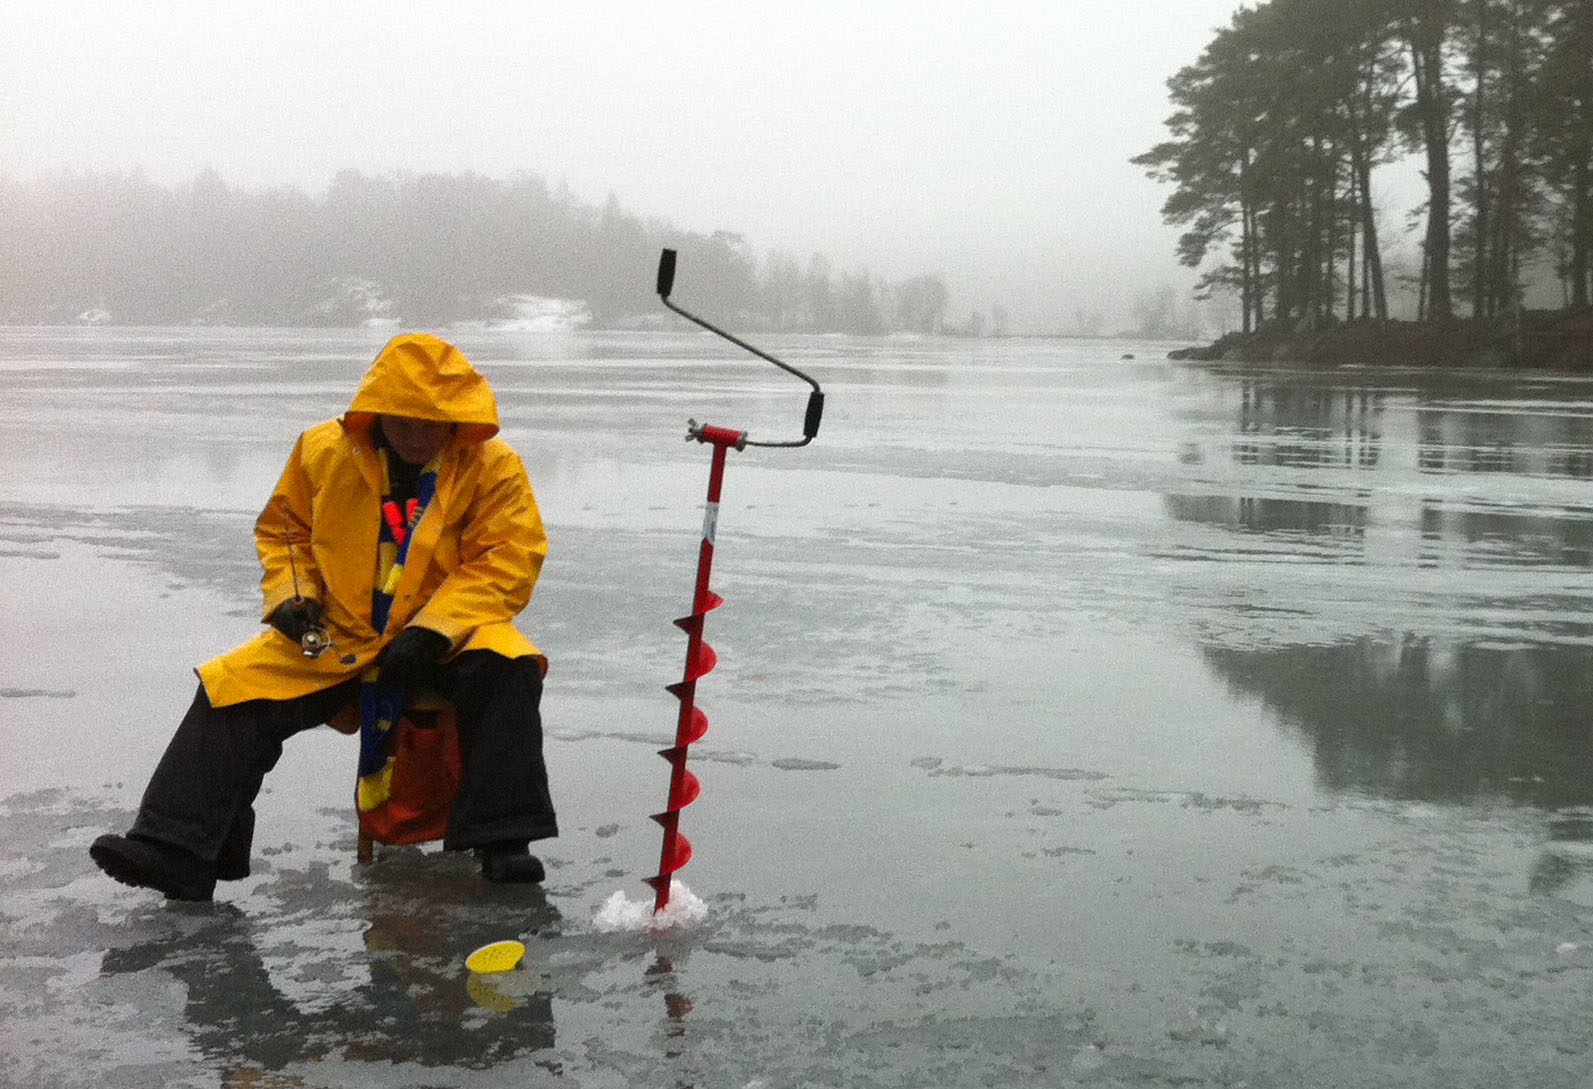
1547,340
1277,149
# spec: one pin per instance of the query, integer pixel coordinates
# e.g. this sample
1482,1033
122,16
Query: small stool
425,768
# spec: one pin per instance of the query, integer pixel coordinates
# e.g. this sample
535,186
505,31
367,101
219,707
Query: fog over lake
988,144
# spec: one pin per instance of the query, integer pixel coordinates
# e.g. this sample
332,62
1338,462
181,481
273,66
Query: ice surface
1167,725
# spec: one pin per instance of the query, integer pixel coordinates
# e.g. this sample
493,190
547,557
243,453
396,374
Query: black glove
297,615
411,658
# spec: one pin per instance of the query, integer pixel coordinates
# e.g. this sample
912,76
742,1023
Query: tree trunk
1330,245
1376,305
1351,255
1581,232
1374,256
1425,36
1481,295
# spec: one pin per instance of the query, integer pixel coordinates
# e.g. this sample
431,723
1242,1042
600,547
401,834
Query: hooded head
425,377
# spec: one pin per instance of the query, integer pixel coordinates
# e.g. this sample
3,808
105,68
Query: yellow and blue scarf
381,705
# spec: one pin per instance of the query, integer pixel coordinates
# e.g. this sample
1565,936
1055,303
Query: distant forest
423,249
1278,126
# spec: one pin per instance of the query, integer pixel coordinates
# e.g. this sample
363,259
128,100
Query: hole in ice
620,913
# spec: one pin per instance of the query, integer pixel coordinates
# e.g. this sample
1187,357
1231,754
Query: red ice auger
700,658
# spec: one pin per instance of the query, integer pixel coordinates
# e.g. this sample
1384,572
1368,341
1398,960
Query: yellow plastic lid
496,957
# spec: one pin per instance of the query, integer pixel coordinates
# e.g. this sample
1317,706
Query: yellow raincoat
473,557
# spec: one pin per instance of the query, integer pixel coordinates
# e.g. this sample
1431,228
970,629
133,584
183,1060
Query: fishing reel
315,641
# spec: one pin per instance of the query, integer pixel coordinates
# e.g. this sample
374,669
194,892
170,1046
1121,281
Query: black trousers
201,797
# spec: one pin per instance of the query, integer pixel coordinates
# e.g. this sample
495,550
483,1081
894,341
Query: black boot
149,864
510,863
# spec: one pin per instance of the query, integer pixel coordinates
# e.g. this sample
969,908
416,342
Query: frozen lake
1081,718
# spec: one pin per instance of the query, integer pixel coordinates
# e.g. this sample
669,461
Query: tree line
1278,126
425,249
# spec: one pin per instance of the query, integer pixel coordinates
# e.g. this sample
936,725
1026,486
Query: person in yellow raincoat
407,532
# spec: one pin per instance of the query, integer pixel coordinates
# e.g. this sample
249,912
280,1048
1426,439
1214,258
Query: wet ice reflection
1417,551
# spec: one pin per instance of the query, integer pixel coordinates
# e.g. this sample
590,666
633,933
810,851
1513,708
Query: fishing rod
810,425
316,640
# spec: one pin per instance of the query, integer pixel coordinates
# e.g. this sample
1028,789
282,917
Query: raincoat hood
424,376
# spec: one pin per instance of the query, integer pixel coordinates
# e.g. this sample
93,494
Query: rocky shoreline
1550,340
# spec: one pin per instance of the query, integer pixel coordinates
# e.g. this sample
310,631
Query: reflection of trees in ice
1438,424
1418,717
1402,575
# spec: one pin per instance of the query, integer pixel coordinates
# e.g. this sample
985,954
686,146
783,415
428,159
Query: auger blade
702,660
685,792
696,726
677,853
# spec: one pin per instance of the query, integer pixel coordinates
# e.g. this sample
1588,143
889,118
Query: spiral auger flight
692,722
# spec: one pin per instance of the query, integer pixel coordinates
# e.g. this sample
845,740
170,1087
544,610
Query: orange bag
425,775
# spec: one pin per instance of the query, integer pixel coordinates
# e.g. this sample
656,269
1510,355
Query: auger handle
815,410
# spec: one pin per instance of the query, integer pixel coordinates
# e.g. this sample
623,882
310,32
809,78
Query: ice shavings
621,913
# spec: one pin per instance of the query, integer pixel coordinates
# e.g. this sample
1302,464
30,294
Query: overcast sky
985,141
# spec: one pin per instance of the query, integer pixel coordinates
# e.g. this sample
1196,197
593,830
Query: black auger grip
810,425
666,273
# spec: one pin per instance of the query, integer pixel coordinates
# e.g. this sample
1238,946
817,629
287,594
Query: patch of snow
622,914
538,314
